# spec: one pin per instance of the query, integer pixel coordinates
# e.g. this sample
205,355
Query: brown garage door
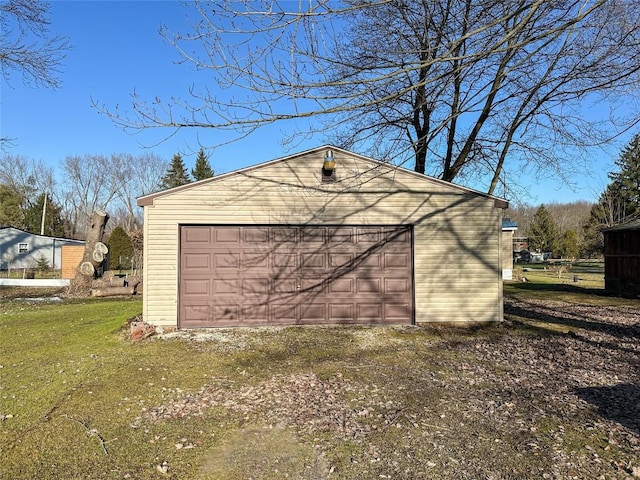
265,275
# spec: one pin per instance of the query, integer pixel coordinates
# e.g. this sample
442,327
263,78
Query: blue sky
117,49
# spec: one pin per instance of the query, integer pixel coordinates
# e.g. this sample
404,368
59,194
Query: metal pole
44,211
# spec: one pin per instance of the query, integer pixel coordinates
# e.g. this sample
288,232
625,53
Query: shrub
120,250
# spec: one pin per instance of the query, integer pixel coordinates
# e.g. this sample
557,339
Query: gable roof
508,224
149,198
630,226
17,230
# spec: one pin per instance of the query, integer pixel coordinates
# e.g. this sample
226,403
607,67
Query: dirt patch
10,293
261,454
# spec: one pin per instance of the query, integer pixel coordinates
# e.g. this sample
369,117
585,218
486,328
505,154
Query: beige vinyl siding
456,232
507,249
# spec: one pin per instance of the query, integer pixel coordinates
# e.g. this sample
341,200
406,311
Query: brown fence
71,256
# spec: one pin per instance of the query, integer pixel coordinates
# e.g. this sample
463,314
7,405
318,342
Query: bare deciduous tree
91,183
460,88
110,183
26,46
27,178
139,176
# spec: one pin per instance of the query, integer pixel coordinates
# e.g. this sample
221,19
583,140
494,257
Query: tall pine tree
53,221
620,202
543,231
11,213
176,174
202,167
627,180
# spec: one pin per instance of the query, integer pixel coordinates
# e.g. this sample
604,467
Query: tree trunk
94,253
87,269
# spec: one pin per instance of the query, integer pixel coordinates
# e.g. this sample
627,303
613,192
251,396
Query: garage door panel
342,285
312,285
397,285
284,313
397,260
400,235
256,286
340,312
368,236
197,261
253,260
340,235
225,286
255,235
370,260
285,285
197,314
312,235
226,260
285,262
255,314
312,260
313,313
284,235
368,285
197,236
369,312
394,311
196,287
227,235
340,259
228,312
259,275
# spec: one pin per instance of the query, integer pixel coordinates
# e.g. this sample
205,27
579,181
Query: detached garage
322,237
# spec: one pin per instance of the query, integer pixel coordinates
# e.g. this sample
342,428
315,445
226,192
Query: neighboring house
20,249
622,259
508,229
521,252
325,236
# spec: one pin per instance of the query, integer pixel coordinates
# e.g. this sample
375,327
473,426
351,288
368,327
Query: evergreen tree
42,264
53,221
619,203
120,250
627,180
176,174
569,247
202,167
11,213
543,232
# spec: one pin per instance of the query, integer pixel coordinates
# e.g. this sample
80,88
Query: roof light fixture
329,163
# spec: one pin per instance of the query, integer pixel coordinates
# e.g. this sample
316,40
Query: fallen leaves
555,389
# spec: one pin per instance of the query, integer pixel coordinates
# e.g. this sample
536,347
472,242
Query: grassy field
78,400
584,274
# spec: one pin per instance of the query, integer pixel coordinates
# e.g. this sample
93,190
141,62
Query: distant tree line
90,182
574,230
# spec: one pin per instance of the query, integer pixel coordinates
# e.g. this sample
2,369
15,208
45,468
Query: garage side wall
456,233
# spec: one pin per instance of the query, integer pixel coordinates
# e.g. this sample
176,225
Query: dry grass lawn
553,392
